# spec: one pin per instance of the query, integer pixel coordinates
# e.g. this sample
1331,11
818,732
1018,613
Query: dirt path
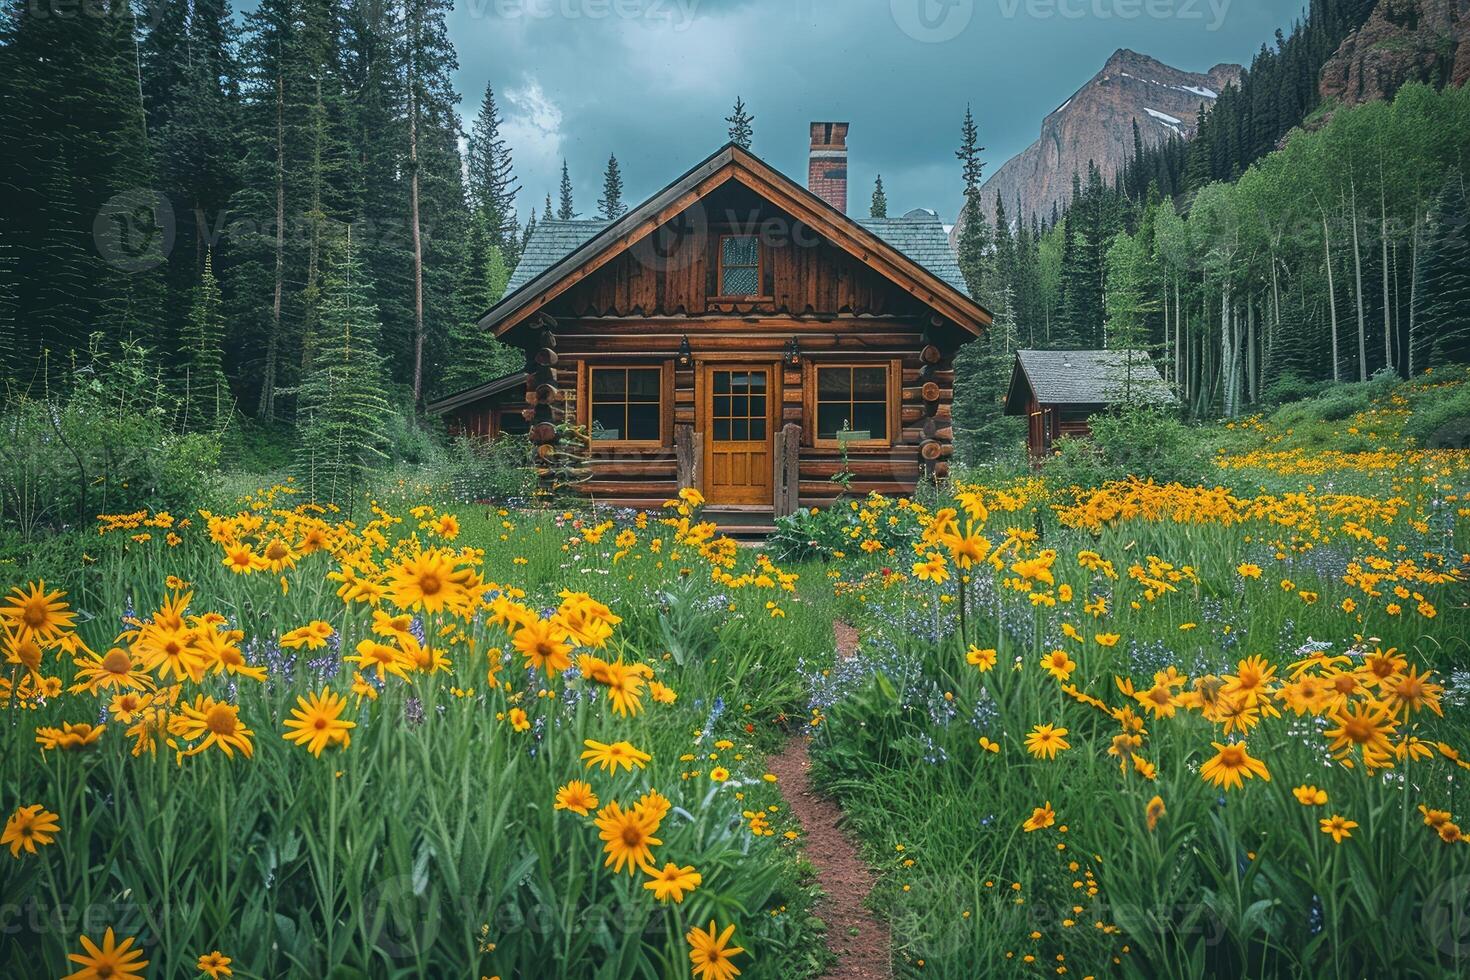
855,936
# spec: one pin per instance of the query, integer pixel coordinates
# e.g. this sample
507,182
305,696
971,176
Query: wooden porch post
688,450
787,477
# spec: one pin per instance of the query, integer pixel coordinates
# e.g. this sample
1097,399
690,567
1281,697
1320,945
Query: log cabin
737,333
1059,391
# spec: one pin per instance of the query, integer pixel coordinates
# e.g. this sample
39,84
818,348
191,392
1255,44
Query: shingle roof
1089,377
919,235
552,240
495,386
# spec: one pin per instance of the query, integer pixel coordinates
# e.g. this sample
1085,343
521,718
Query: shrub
843,529
1442,422
411,442
489,469
109,443
1135,441
1291,387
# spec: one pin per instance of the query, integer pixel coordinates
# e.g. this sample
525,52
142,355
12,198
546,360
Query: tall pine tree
1444,281
209,400
492,181
566,210
611,205
742,124
879,207
973,247
342,413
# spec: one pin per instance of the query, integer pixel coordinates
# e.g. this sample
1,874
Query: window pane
644,384
740,250
757,406
830,418
610,384
758,381
607,422
870,384
834,383
758,430
871,417
642,422
740,430
722,406
740,282
722,430
740,407
722,382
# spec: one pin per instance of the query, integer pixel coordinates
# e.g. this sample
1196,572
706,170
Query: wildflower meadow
1130,729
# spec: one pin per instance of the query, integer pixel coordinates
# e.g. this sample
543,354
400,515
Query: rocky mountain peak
1096,124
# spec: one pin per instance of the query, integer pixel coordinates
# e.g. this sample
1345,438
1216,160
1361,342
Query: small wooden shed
1058,391
494,408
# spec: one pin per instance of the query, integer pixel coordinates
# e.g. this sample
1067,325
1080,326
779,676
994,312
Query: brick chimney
827,165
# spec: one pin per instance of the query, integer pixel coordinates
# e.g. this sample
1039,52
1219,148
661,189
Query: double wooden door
737,405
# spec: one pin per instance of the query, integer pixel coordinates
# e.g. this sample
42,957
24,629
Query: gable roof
919,235
1085,377
570,251
552,241
500,385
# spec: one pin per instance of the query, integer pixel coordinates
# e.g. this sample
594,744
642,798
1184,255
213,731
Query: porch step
747,525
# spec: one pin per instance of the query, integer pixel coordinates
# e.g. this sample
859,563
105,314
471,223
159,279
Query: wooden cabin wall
635,309
645,477
796,279
1046,423
482,419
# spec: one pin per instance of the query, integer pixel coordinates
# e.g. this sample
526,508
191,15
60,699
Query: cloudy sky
651,80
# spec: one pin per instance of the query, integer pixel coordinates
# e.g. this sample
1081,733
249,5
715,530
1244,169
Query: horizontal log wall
645,476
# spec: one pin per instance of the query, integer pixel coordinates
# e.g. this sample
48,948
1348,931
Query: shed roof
1085,377
498,386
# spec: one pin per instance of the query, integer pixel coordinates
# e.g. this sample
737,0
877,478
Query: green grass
1230,882
429,846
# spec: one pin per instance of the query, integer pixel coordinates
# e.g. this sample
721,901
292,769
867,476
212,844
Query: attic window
740,265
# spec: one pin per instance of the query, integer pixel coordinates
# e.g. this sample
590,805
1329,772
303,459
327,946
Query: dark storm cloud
651,80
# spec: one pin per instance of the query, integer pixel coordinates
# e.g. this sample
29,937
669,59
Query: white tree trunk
418,244
1331,297
1387,306
1358,278
1227,350
1413,298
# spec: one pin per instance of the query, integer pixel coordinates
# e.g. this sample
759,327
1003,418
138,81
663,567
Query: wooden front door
737,402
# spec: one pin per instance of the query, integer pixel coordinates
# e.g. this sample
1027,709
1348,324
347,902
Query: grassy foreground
1145,730
420,743
1133,729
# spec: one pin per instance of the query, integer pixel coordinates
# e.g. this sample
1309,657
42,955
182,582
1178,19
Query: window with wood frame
626,404
853,404
740,265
